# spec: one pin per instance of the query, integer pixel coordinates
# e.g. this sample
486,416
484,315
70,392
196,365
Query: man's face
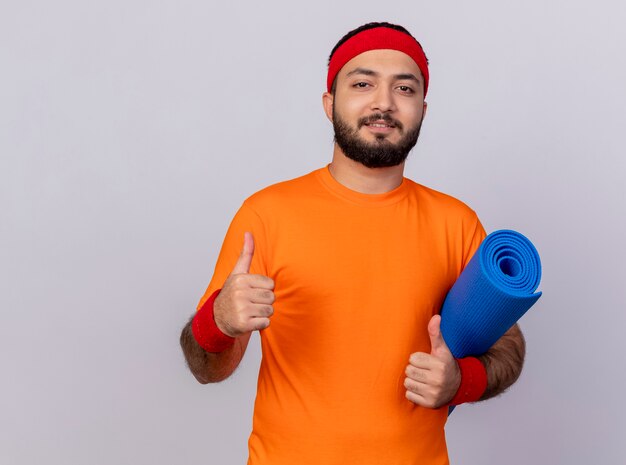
378,107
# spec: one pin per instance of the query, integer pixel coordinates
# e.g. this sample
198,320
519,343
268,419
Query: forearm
210,367
503,362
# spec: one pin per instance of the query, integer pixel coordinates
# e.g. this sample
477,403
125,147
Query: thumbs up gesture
245,302
432,379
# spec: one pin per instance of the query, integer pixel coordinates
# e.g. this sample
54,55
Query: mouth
380,126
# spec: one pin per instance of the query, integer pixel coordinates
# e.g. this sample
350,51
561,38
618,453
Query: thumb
437,344
245,259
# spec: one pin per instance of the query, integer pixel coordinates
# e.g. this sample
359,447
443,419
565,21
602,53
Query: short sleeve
473,241
245,220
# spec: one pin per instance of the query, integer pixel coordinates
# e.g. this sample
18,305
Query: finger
416,398
256,317
257,324
262,296
423,360
416,387
247,281
417,374
245,259
258,281
260,311
437,344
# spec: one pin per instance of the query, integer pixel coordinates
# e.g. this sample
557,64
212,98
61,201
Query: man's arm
432,380
504,362
210,367
243,305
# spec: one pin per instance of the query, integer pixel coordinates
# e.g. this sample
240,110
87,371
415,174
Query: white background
130,133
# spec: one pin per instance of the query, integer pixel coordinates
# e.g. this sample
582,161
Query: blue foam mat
494,290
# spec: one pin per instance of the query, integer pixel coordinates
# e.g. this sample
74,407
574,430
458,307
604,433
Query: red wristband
473,381
206,332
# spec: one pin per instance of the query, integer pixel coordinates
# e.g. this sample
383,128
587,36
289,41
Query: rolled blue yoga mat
494,290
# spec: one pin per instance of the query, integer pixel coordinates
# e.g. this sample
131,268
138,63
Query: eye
361,85
405,89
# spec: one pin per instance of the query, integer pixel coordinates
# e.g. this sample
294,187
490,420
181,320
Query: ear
327,102
424,111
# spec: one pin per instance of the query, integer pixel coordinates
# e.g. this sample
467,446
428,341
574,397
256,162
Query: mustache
378,117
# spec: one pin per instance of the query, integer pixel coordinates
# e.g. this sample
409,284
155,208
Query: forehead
385,62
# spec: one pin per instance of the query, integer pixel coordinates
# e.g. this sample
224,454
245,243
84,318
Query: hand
432,379
245,302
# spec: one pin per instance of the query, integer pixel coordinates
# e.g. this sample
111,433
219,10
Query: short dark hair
365,27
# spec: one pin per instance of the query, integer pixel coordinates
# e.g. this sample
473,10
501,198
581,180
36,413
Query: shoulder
284,193
439,203
452,220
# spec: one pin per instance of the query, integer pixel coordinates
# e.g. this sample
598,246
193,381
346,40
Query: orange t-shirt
357,279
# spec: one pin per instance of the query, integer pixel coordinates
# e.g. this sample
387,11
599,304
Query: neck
362,179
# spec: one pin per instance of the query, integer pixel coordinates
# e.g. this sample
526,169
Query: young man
343,271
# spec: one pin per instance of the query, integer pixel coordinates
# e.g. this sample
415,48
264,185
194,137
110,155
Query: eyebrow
397,77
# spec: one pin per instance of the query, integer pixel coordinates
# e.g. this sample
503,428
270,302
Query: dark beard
378,154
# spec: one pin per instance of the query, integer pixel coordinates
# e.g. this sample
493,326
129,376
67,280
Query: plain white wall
130,132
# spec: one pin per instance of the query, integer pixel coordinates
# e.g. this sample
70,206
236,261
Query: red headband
375,39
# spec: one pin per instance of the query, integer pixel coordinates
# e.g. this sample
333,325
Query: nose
382,99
